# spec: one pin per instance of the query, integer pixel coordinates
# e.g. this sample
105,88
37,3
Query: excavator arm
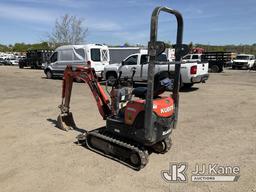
87,75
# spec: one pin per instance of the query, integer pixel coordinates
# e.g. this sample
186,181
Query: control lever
133,73
117,82
120,74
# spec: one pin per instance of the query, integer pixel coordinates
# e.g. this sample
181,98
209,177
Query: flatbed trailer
217,60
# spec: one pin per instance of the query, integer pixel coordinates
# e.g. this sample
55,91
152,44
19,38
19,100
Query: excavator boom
86,75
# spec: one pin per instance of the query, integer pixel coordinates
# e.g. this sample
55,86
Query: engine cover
162,107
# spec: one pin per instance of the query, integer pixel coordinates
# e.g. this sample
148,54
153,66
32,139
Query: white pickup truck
243,61
191,73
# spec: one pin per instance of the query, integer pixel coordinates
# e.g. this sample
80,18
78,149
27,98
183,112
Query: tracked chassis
126,152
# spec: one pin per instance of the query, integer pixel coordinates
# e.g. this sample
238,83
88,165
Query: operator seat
159,87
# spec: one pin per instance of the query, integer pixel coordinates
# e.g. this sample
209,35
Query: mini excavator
138,120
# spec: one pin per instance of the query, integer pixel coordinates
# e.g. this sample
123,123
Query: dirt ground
217,125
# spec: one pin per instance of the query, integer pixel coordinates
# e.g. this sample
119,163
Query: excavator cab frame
155,48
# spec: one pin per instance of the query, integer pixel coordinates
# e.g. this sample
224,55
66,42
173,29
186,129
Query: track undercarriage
129,153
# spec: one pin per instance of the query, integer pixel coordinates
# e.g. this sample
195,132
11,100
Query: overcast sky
118,21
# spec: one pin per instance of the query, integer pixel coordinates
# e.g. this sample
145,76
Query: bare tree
68,30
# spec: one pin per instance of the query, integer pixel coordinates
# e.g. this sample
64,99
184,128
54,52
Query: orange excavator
138,121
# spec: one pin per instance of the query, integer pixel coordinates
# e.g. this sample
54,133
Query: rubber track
143,154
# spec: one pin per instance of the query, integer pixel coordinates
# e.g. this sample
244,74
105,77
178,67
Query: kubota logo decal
167,109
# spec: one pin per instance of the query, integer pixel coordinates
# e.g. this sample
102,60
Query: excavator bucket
66,121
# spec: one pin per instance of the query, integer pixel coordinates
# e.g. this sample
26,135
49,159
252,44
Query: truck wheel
49,74
21,66
188,85
215,69
111,78
254,67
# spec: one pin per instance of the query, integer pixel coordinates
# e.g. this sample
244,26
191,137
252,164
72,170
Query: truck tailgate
202,68
197,73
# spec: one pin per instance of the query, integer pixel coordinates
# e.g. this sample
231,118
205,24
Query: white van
96,55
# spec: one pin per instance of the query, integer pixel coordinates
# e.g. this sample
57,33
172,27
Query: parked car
3,61
13,61
243,61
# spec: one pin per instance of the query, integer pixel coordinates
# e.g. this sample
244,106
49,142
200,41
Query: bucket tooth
66,121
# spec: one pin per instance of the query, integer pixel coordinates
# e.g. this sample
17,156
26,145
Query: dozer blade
66,121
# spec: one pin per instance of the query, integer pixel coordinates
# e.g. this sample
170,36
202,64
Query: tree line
23,47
